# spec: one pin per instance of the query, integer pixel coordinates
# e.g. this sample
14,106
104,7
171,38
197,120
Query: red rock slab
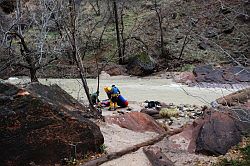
135,121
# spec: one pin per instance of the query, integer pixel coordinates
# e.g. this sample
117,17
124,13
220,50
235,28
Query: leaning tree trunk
75,52
85,85
33,76
98,77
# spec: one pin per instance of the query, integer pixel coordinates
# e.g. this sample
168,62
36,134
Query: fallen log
131,149
156,157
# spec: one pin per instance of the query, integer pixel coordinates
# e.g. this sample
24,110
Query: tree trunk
98,76
117,32
18,15
75,52
162,39
185,42
33,75
159,17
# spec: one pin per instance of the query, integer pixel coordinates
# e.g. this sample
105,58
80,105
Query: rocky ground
180,147
216,32
172,117
115,137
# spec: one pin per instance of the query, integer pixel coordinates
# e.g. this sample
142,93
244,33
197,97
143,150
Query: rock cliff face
39,123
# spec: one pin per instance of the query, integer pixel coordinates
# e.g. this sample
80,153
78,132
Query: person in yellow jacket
112,93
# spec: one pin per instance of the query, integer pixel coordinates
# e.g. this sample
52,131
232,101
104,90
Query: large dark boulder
214,133
141,65
221,129
237,74
215,76
201,71
243,75
230,75
38,123
217,135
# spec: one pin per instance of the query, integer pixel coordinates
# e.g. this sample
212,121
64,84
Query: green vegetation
103,148
71,162
143,57
169,112
52,35
243,158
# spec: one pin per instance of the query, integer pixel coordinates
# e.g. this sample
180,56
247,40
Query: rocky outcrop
38,124
217,135
229,75
141,65
135,121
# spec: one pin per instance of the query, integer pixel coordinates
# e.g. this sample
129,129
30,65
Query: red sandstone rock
38,124
135,121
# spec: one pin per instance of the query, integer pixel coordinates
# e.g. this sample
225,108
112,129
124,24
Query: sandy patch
117,138
137,158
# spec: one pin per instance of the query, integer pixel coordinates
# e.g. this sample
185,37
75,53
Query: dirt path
117,138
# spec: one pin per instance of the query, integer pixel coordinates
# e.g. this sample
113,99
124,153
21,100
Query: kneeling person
115,92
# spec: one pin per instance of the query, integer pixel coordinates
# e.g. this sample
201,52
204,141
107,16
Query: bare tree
118,38
18,15
75,50
158,11
96,6
31,54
